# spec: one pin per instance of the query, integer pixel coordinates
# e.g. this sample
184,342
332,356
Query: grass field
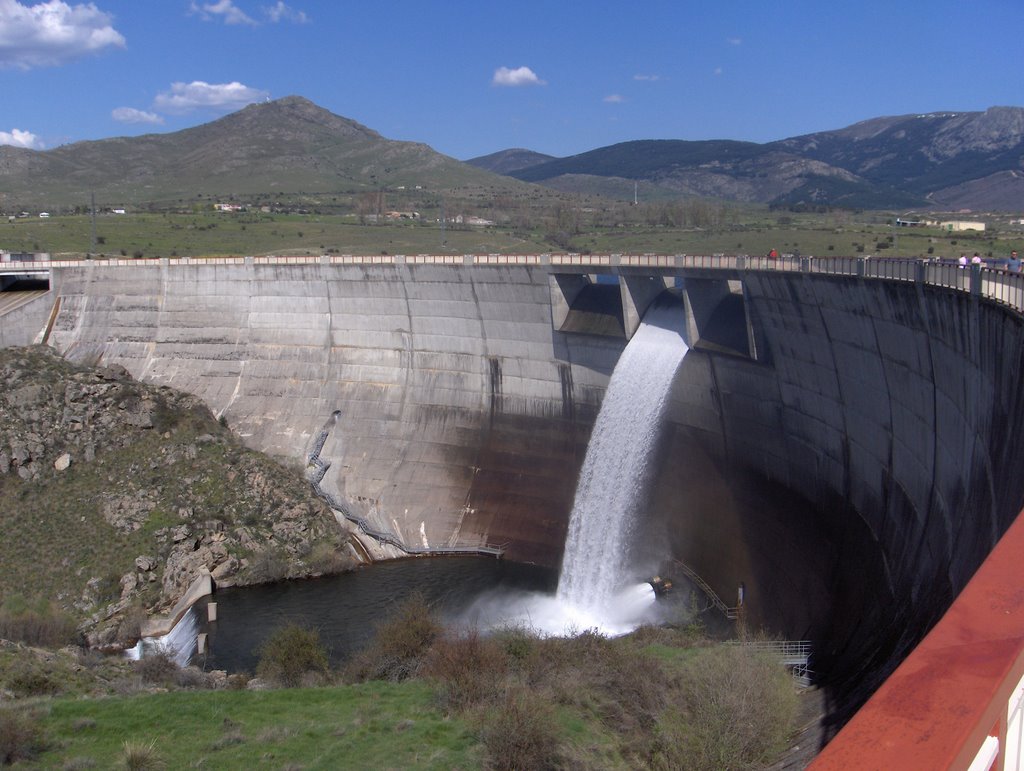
659,699
748,230
370,726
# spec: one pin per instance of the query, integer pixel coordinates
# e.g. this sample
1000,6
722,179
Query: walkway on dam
989,282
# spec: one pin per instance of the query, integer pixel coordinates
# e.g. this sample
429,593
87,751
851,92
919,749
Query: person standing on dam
1013,264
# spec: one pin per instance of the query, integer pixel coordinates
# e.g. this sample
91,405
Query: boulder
145,563
62,463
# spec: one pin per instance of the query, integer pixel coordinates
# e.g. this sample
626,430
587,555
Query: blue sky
470,78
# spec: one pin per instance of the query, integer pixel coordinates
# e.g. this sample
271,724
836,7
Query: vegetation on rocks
115,496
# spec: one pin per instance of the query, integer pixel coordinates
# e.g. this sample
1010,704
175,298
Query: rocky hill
115,495
286,146
509,161
971,160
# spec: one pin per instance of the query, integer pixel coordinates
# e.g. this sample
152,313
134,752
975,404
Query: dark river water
345,609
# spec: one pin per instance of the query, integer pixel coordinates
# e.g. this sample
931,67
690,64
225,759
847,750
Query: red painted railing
956,701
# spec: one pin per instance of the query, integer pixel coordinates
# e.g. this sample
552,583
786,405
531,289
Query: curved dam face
844,448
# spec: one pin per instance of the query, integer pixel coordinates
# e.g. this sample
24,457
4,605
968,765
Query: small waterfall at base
179,643
612,481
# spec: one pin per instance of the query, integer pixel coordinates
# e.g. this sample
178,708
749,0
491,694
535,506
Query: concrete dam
840,439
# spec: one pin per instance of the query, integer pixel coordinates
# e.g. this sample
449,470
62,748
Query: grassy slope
403,725
371,726
751,231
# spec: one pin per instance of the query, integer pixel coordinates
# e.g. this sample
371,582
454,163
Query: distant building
44,214
471,220
958,226
119,211
228,207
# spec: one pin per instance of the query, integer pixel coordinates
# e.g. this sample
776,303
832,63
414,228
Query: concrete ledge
161,625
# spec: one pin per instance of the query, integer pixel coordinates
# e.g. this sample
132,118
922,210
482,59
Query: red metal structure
957,702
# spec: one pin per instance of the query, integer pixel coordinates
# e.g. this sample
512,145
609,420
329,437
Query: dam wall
848,451
892,406
464,415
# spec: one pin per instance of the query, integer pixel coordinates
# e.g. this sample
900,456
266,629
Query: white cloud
282,12
647,77
131,115
614,99
19,138
52,33
224,9
734,41
186,97
717,71
520,76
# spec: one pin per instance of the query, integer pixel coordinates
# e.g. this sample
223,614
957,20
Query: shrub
21,735
327,557
27,677
42,625
400,645
139,756
518,643
292,654
737,711
467,669
157,668
612,679
520,732
268,565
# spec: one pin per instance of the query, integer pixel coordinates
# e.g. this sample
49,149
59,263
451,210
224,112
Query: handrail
729,612
990,282
793,654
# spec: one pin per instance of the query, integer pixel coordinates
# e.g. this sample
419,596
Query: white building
958,226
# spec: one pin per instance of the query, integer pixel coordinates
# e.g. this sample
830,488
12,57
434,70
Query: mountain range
948,161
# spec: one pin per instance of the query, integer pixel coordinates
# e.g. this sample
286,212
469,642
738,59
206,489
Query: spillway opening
20,283
588,304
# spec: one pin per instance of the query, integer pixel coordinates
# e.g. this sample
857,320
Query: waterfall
179,643
613,479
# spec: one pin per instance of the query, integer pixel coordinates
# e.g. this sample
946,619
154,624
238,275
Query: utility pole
93,199
444,241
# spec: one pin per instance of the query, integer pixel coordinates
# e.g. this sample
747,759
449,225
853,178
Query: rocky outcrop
115,496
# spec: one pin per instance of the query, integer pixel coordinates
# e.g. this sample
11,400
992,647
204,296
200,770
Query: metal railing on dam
992,283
